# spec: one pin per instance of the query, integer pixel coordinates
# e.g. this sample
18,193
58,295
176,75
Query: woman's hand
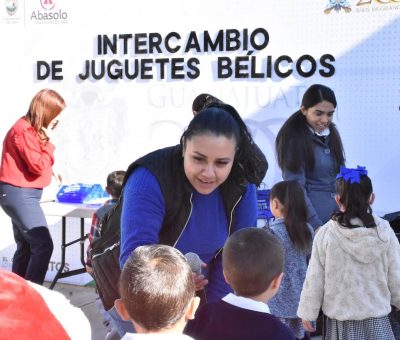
308,326
48,132
199,280
89,270
57,177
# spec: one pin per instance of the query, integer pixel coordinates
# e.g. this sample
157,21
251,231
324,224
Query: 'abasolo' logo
11,6
47,4
49,15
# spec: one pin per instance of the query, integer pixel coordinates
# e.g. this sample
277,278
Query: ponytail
291,195
354,196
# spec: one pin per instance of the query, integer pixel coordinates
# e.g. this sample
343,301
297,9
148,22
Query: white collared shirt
323,133
246,303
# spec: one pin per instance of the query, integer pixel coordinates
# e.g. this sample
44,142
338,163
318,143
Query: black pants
32,257
34,243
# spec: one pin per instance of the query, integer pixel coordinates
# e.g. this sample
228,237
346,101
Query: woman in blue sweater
309,150
194,195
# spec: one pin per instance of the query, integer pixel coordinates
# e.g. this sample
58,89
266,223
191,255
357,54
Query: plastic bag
81,193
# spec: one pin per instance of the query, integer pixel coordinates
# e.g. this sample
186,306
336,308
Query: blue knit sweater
205,233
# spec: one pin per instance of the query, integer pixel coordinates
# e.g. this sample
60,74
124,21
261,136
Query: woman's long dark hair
294,146
355,199
291,195
223,120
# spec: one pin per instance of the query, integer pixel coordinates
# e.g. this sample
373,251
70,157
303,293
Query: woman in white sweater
354,271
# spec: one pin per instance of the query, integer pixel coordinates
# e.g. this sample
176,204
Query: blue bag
263,209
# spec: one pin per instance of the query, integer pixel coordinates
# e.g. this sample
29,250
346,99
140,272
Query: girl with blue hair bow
354,270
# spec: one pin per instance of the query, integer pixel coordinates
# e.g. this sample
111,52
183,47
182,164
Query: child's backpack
105,256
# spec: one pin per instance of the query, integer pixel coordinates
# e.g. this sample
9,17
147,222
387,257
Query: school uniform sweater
318,183
236,317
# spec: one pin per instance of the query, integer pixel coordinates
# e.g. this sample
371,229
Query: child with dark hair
114,189
157,292
290,226
252,262
354,271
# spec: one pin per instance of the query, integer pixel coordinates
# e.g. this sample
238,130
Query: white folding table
65,210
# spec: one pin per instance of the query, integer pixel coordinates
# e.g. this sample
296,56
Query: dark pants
34,243
32,257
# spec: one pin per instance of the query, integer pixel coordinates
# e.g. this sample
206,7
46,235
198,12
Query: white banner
130,70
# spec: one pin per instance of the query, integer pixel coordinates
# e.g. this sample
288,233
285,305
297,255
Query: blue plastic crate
81,193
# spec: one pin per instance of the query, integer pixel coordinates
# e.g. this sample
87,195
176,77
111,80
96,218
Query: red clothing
25,161
24,315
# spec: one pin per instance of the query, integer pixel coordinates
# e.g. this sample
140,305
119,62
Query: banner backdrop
129,72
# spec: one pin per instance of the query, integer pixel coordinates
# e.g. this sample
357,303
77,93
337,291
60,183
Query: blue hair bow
352,175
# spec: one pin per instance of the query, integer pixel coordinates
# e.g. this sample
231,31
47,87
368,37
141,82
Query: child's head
354,196
253,261
157,290
287,196
114,183
287,200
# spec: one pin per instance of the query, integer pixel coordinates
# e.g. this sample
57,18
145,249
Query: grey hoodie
353,274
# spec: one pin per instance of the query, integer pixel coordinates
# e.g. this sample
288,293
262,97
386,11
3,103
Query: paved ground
85,299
